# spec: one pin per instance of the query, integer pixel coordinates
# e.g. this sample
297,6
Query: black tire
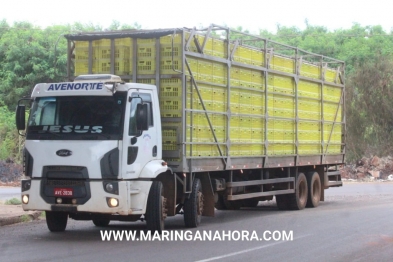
314,189
298,200
155,210
193,206
250,202
56,221
282,202
101,222
219,205
233,205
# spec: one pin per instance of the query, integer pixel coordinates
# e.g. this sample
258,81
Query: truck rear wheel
101,222
298,200
56,221
193,206
155,212
314,189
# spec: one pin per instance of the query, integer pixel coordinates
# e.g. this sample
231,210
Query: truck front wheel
193,206
155,212
56,221
101,222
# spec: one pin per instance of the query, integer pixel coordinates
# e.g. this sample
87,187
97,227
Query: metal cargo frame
194,44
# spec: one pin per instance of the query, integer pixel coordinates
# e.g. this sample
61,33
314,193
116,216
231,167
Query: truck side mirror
142,117
20,117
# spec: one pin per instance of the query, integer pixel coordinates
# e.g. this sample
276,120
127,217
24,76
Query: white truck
154,123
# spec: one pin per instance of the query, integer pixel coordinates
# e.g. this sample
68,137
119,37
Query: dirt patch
369,169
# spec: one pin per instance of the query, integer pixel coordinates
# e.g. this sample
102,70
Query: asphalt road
353,224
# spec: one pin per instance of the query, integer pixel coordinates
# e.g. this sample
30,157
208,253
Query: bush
13,201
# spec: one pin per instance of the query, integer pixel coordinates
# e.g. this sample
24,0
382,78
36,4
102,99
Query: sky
249,14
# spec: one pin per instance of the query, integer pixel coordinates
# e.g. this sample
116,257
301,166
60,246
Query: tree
370,109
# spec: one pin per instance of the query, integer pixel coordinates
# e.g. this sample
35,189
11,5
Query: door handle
154,151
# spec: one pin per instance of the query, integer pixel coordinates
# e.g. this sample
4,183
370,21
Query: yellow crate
205,67
82,67
170,87
104,66
336,135
280,149
240,150
281,84
81,44
334,149
82,53
167,50
309,89
309,109
330,110
310,70
283,64
242,55
309,136
204,150
177,38
308,126
146,66
170,105
169,135
146,81
123,42
193,63
220,48
258,57
121,66
169,146
257,149
257,135
145,51
122,52
331,76
331,93
309,149
104,52
168,66
149,41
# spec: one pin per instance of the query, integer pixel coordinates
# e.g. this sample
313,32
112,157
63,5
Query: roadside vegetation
29,55
13,201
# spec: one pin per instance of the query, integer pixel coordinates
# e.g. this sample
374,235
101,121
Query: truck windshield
77,118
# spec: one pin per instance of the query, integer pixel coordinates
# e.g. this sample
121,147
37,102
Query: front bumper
132,197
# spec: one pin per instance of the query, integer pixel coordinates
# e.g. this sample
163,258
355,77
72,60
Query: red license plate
64,192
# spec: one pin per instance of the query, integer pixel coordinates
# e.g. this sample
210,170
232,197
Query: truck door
139,147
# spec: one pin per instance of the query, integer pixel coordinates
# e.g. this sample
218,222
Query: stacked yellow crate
122,56
81,61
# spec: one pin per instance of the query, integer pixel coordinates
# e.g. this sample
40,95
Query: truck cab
93,148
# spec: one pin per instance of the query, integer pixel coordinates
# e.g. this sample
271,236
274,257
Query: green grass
25,218
13,201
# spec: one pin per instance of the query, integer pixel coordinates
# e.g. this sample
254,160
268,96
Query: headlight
112,202
25,199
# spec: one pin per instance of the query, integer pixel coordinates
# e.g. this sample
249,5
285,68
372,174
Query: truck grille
65,182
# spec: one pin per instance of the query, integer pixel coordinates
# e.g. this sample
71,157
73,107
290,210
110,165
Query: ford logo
63,152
